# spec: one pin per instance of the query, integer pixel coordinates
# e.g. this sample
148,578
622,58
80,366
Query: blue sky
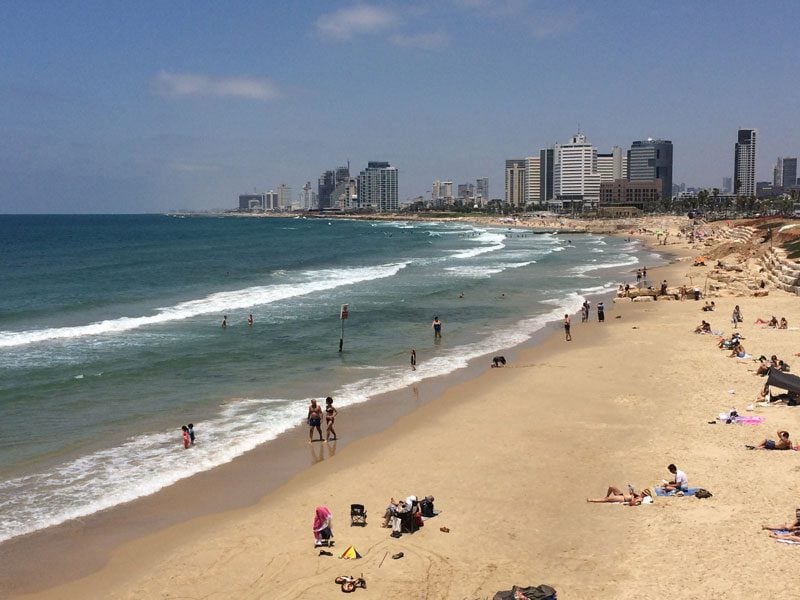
147,106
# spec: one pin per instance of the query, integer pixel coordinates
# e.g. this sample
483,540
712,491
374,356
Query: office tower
345,194
532,177
466,190
612,166
727,185
482,188
545,176
785,172
284,196
576,181
744,163
515,182
651,159
325,185
446,190
377,187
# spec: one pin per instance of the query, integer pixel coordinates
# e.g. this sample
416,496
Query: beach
511,455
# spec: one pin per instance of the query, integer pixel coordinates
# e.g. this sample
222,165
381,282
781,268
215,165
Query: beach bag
426,506
702,493
539,592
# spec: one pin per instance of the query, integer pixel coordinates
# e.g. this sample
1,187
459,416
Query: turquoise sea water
110,334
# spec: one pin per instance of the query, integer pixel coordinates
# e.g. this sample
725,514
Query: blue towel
689,492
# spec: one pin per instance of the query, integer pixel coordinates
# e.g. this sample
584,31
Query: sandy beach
511,455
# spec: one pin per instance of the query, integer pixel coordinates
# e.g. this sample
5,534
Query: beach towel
794,542
686,494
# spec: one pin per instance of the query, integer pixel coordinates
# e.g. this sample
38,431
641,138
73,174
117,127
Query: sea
111,337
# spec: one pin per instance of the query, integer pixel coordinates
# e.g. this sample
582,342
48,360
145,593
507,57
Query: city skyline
151,107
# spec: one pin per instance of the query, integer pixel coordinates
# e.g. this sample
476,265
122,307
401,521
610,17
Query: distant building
271,201
744,163
641,194
785,172
651,159
546,193
613,165
377,187
466,190
576,181
345,194
482,189
727,185
515,182
327,182
284,197
308,198
532,181
250,202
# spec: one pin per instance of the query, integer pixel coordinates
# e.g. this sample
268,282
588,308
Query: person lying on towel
783,443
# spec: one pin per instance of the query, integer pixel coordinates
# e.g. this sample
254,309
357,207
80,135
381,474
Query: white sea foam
596,266
479,271
308,282
490,241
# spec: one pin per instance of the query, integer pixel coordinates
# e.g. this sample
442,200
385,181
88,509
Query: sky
127,107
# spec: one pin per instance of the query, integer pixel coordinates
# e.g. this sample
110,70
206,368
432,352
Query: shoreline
276,461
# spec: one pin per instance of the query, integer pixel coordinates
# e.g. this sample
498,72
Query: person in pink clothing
322,526
186,439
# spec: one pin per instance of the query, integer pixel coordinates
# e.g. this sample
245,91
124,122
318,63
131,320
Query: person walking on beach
601,312
644,274
314,421
437,327
224,321
638,276
413,360
330,417
736,317
567,324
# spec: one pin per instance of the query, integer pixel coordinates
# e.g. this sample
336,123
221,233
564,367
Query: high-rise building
284,197
744,163
612,166
515,182
345,195
546,193
576,181
466,190
727,185
532,181
307,197
377,187
328,181
651,159
482,189
785,172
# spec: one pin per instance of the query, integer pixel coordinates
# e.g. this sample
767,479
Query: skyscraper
612,166
651,159
744,163
482,188
785,172
532,181
515,182
284,197
575,178
545,176
377,187
727,185
328,181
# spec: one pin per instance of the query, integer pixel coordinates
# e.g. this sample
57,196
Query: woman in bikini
632,498
330,417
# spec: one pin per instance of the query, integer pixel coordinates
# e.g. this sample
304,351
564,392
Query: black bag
701,493
426,507
539,592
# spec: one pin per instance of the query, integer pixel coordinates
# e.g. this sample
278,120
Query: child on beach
330,417
191,433
186,439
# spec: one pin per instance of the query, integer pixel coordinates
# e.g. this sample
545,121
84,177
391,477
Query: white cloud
189,84
425,41
361,18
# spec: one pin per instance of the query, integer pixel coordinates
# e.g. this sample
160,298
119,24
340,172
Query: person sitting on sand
709,307
773,322
791,527
679,480
784,324
765,366
738,351
632,498
704,327
783,443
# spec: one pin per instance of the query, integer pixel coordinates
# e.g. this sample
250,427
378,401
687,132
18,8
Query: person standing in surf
437,327
413,360
250,320
224,321
186,439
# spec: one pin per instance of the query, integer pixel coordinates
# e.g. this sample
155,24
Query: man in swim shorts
783,443
437,327
314,421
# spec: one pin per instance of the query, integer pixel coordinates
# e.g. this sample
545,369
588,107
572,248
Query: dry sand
510,457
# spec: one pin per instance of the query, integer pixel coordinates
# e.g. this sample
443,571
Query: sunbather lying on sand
632,498
737,352
783,443
793,527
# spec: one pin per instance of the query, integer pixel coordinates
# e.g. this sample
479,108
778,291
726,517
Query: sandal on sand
749,447
325,553
444,529
398,555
